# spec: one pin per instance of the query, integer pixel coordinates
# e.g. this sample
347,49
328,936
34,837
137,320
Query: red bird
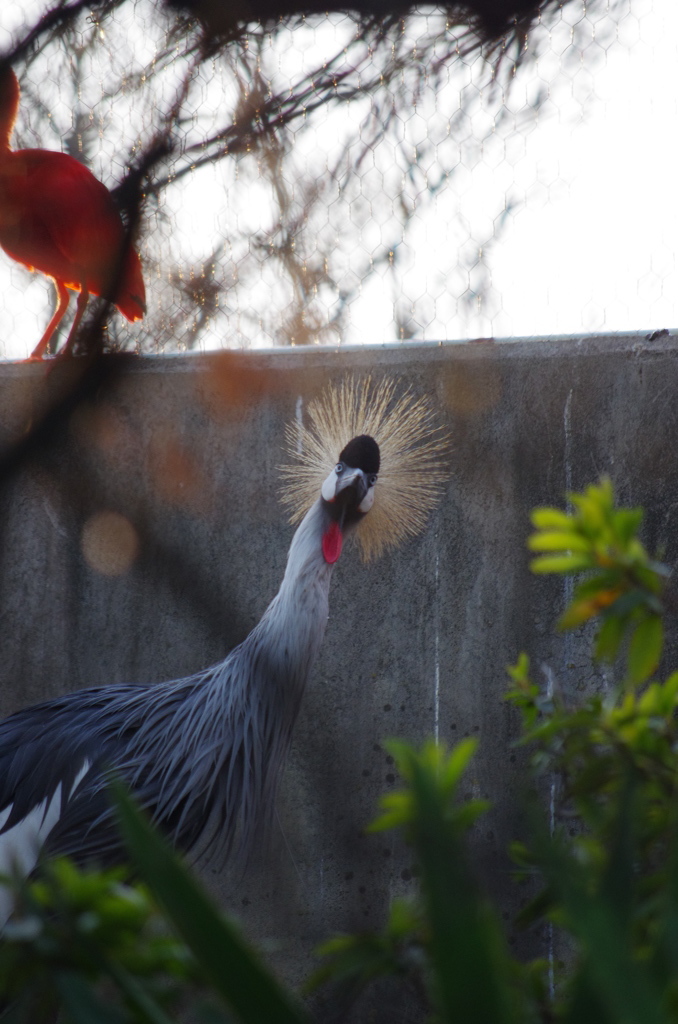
56,217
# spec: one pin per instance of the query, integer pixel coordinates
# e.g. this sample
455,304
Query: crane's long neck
243,724
291,630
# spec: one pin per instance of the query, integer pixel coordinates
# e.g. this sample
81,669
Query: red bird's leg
83,298
62,305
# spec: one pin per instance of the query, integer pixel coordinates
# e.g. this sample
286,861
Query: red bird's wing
56,217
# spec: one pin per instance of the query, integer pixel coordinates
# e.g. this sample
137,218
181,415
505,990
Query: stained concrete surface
187,450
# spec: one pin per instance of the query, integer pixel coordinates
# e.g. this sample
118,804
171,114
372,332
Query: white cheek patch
368,501
329,487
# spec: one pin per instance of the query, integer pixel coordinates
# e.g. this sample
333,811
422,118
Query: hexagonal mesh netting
312,185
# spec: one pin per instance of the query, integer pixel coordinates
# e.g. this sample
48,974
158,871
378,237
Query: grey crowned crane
203,755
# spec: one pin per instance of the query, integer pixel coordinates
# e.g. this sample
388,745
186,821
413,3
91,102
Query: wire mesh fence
312,182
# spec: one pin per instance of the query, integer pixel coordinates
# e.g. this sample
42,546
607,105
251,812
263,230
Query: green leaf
604,579
627,603
223,955
561,541
146,1006
592,512
584,1004
83,1005
624,986
577,613
609,638
337,944
404,917
457,762
470,961
561,563
627,522
401,753
397,811
645,648
520,672
468,813
551,519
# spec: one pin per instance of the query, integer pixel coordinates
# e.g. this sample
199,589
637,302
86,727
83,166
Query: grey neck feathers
266,677
293,626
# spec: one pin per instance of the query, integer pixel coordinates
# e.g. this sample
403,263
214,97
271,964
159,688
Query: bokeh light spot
109,543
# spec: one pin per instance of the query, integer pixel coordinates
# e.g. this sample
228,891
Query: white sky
592,246
602,254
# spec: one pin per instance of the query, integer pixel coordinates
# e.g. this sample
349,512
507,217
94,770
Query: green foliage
352,961
595,751
94,945
400,808
613,982
611,876
615,748
449,939
470,965
623,585
104,951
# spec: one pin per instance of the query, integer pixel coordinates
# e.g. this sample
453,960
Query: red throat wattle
332,541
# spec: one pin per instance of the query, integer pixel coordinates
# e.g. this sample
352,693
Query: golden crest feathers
413,450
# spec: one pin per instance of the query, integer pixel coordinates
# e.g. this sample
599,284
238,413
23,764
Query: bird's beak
353,479
345,493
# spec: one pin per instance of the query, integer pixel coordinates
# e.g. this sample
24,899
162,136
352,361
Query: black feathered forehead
362,452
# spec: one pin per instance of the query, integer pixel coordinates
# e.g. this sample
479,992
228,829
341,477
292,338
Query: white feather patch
329,487
4,814
86,765
20,845
368,501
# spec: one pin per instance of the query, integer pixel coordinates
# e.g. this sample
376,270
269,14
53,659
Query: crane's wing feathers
41,748
52,756
160,740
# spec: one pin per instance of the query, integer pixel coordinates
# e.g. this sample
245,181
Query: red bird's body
56,217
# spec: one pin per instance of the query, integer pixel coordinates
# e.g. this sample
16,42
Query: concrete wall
188,448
